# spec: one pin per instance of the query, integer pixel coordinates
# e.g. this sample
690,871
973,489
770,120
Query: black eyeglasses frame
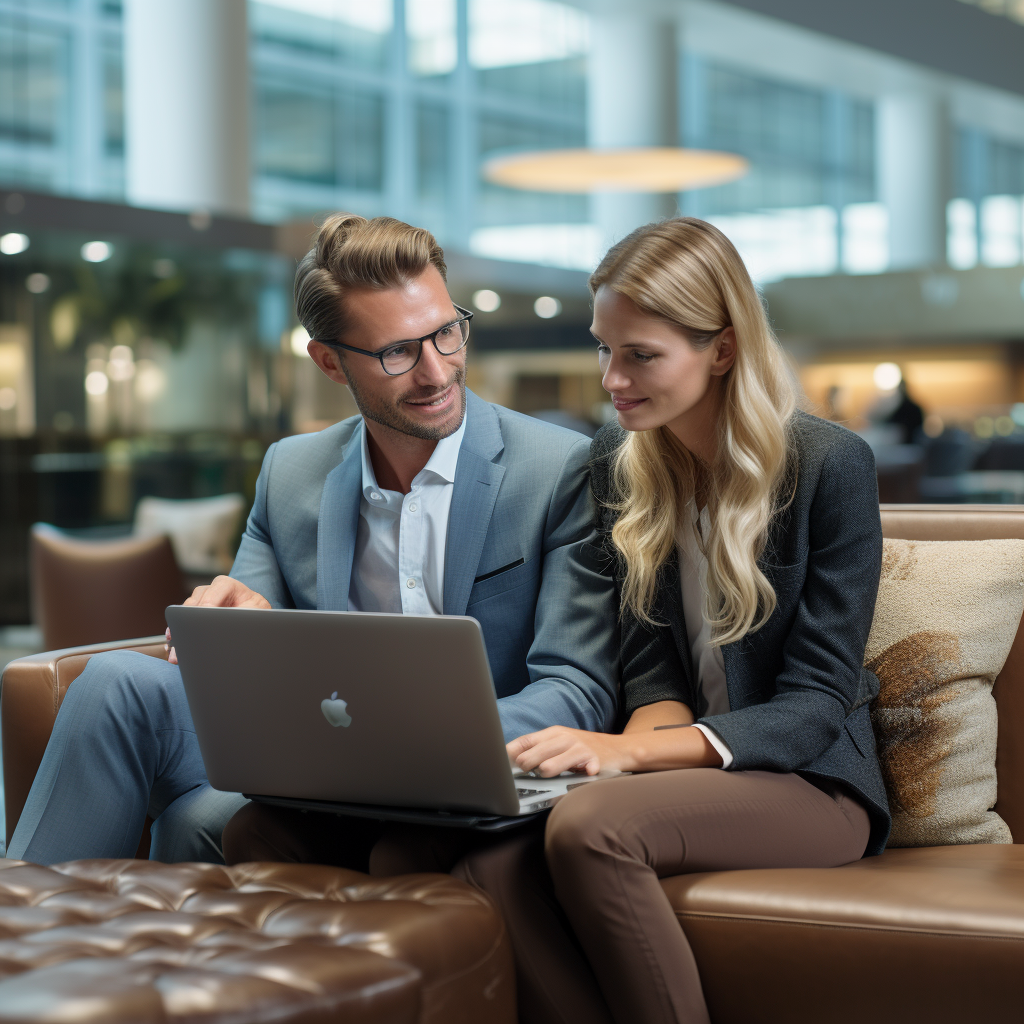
379,354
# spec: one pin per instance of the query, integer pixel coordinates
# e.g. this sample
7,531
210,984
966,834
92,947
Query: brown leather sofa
136,942
933,935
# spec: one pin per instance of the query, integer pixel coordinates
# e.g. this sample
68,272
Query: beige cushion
946,616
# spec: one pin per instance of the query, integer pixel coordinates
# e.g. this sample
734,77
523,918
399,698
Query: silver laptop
378,715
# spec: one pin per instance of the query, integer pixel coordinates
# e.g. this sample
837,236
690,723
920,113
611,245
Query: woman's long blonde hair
686,273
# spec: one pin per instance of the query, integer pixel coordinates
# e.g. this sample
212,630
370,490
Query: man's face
429,401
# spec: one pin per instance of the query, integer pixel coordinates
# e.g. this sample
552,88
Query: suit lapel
477,479
336,530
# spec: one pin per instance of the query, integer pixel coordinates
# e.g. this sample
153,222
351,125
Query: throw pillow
946,616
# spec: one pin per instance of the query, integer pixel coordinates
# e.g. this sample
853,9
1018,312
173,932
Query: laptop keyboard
530,792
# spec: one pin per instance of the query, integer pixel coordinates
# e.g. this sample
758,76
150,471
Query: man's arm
573,662
255,564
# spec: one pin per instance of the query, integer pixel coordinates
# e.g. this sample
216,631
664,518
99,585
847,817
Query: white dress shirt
706,658
398,565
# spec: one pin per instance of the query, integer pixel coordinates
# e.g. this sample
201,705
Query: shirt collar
442,462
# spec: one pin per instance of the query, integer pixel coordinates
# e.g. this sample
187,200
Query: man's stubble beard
390,415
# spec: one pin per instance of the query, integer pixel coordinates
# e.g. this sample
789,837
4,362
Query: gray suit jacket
798,691
519,558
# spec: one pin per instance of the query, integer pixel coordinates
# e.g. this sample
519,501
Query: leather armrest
31,691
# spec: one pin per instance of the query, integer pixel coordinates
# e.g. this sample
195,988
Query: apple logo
336,711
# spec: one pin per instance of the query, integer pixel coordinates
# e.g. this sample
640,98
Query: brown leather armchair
91,591
933,934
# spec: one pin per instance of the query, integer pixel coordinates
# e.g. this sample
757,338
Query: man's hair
352,252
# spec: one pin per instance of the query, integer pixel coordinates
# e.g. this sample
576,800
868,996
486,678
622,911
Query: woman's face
654,375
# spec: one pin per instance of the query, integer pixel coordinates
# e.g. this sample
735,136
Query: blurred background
163,164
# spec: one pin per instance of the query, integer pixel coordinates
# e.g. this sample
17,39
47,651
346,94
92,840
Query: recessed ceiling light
486,301
13,242
299,339
887,376
546,307
97,252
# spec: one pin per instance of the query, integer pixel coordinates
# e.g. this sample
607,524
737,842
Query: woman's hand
560,749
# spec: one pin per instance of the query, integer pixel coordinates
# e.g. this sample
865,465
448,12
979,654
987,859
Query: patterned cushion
120,940
946,616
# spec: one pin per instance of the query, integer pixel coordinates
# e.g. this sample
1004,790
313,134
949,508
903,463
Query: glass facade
986,219
808,205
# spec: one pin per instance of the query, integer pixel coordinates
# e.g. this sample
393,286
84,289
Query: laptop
364,713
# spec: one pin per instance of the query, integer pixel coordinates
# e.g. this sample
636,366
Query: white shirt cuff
718,743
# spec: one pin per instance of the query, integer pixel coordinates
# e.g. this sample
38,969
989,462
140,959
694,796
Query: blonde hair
352,252
686,273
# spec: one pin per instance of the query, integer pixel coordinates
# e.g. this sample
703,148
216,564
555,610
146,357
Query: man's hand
559,749
223,592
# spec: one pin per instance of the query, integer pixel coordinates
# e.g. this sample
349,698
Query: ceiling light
546,307
96,383
486,301
887,376
661,169
12,243
299,340
97,252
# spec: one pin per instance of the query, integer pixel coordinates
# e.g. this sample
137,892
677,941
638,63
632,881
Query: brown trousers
595,938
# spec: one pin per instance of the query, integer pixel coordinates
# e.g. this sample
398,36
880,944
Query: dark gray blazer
798,691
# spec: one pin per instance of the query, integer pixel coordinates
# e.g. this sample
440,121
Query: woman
746,541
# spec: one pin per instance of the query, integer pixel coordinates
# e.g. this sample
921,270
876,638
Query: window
533,50
356,32
430,28
33,101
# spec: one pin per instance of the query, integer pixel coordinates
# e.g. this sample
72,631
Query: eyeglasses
401,356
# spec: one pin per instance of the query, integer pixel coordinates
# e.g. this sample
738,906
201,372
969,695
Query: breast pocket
503,579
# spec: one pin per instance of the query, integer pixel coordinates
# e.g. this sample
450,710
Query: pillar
632,101
186,68
914,177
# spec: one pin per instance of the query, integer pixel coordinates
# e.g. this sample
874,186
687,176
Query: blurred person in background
908,416
746,543
357,517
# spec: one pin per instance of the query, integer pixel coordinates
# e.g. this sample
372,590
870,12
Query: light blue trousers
123,746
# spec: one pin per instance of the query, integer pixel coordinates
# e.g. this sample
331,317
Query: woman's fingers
543,749
551,761
576,759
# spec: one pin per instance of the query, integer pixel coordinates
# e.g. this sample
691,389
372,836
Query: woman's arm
655,739
661,714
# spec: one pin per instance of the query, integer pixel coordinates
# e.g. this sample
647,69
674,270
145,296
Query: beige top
706,658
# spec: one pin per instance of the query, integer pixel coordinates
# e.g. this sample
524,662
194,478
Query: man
432,501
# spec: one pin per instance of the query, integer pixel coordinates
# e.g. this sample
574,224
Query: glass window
356,31
361,136
531,49
295,133
113,97
430,27
434,164
320,135
33,100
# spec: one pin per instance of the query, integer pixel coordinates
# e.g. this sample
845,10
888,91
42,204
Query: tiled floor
15,642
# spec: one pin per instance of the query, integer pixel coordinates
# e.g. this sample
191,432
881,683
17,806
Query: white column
186,66
632,101
914,169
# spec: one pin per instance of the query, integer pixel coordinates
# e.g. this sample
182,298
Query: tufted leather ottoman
127,940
